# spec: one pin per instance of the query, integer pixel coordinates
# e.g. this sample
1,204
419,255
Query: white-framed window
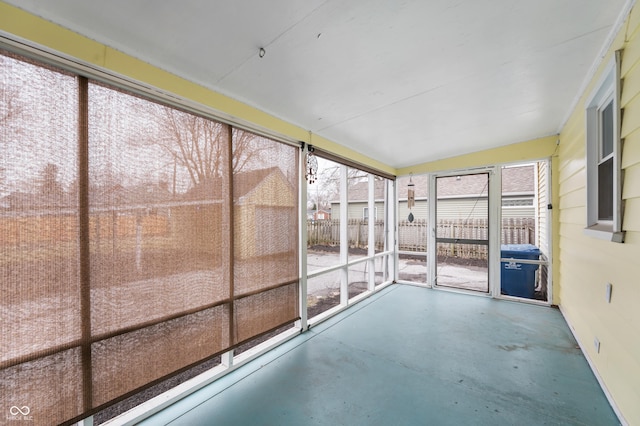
604,175
365,213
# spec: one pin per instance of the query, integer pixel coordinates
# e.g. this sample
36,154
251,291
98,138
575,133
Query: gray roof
515,180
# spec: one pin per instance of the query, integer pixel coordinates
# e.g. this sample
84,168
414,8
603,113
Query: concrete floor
412,356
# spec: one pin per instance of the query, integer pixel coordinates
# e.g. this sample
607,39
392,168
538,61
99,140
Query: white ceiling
401,81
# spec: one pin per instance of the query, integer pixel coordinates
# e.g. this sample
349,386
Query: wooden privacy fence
470,229
56,227
327,232
412,236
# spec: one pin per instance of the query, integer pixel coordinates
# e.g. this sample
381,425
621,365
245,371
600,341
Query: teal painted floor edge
412,356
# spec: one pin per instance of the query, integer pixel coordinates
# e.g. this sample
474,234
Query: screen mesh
45,391
265,210
39,262
137,240
128,361
156,210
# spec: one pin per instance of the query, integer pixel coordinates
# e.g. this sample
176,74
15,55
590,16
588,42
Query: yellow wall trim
535,149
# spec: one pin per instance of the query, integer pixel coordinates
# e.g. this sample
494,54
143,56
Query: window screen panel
186,244
381,186
265,311
159,234
158,185
265,210
358,198
47,390
39,254
265,194
128,361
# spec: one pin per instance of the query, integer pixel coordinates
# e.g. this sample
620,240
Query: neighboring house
462,197
358,205
318,214
465,197
263,202
265,205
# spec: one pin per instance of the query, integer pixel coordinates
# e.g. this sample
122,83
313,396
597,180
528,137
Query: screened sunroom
318,213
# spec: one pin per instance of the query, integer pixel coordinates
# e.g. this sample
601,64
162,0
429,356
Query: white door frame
494,221
548,221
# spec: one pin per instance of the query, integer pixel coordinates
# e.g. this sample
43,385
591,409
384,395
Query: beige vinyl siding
518,212
469,208
586,264
355,210
420,210
461,209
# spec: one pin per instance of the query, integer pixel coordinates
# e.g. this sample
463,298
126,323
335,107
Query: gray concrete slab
412,356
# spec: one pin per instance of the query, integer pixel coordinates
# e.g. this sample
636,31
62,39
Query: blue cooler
519,279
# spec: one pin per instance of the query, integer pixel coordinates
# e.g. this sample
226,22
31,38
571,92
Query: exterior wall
450,209
587,264
518,212
420,210
256,211
461,209
355,210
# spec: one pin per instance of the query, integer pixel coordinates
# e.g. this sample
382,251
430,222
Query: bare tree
201,145
196,144
247,151
327,187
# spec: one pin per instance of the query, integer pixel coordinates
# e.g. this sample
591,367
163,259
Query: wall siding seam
569,169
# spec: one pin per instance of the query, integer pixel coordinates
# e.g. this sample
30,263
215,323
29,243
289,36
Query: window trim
365,216
607,90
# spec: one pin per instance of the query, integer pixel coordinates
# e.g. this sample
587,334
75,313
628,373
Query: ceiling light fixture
262,52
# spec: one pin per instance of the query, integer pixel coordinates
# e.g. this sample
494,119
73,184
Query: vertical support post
228,210
84,241
344,236
432,246
548,218
226,359
391,226
303,240
371,249
495,225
